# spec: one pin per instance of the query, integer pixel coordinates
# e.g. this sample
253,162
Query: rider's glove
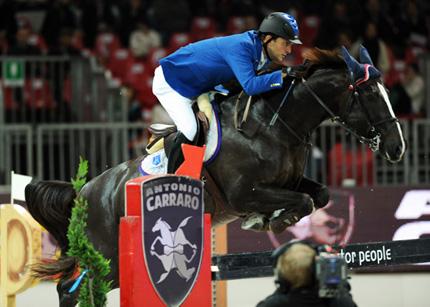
298,71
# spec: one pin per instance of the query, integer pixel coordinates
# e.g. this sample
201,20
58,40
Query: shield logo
172,225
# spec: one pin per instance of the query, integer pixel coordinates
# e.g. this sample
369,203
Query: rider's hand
298,71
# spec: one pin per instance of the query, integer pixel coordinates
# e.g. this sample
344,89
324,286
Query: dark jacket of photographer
306,297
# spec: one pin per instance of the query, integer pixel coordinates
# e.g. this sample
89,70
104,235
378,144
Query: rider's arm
241,62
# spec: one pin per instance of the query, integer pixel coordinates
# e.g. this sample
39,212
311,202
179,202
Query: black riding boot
175,155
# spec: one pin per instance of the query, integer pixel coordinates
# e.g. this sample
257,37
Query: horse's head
369,110
160,225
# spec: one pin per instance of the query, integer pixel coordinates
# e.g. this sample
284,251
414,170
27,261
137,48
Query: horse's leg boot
255,221
175,154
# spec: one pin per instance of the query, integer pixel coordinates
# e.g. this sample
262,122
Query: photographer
307,277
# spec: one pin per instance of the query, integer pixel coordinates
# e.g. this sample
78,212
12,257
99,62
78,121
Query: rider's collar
263,60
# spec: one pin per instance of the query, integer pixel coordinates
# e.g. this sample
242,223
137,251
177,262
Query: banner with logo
172,225
353,215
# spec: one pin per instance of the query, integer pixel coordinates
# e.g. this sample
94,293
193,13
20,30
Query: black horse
259,171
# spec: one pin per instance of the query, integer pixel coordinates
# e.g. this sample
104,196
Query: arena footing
357,256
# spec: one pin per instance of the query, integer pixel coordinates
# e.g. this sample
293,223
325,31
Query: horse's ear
364,56
352,64
365,59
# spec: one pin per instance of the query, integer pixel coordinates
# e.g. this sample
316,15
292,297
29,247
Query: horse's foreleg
192,256
316,190
265,200
155,241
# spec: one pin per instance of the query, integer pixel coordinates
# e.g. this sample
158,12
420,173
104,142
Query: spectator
143,39
8,23
133,104
203,7
59,74
297,281
376,12
64,45
60,15
415,24
413,84
336,19
94,13
132,14
344,38
3,42
89,22
169,16
400,100
22,38
377,48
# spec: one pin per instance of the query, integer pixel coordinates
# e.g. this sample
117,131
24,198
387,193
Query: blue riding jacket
199,67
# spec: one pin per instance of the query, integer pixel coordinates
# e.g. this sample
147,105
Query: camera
321,268
330,274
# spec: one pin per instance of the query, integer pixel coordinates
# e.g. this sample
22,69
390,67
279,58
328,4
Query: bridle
354,98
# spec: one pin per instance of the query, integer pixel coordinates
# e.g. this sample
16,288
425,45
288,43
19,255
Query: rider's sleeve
241,62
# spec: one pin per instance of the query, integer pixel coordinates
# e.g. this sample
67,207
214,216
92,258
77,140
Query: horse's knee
322,197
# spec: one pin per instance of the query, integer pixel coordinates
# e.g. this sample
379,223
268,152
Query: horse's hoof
255,222
278,226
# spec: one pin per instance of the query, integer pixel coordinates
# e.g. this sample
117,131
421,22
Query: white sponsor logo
173,257
414,205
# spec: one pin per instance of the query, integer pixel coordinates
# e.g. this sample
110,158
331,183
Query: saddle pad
156,163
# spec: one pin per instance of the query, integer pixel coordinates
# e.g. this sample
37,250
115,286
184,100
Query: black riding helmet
282,25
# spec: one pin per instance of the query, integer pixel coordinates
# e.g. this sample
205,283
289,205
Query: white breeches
177,106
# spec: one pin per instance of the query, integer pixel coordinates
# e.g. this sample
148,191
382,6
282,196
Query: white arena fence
51,151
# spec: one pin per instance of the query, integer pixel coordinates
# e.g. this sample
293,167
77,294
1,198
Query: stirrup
161,129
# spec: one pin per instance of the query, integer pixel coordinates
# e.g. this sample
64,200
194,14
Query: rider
199,67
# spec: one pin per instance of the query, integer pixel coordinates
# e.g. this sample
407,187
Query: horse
259,169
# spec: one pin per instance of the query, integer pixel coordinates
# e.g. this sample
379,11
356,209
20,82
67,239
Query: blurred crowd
129,36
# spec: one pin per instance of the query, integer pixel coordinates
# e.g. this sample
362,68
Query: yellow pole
219,247
20,239
6,300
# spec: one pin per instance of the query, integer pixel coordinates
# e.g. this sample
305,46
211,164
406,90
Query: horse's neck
164,229
304,112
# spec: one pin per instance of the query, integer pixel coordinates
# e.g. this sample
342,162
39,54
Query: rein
373,143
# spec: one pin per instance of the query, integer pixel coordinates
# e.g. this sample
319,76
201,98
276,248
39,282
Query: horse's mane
319,58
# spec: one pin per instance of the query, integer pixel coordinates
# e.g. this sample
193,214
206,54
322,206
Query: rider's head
279,31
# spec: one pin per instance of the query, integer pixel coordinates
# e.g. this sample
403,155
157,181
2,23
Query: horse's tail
184,222
50,203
